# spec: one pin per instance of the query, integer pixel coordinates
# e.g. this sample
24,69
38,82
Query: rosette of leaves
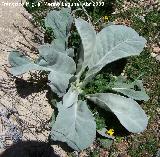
54,58
75,123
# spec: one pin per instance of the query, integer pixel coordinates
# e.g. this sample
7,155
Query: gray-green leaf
88,36
128,111
74,125
70,97
60,22
21,64
59,82
110,44
130,91
50,60
55,59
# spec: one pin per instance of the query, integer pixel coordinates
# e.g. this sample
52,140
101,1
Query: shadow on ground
29,149
36,83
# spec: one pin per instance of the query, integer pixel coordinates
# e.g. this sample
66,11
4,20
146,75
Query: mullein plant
75,123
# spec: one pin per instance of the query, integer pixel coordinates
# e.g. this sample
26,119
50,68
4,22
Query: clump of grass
147,148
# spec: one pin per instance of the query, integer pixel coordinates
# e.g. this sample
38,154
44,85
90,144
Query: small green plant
75,123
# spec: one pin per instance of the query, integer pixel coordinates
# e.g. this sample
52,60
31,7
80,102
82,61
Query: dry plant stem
98,20
85,11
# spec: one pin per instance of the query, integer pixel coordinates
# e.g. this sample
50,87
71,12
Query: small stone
158,57
156,49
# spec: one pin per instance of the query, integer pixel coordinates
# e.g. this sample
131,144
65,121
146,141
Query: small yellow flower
110,132
105,18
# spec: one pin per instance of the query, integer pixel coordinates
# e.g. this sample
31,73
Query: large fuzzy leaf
70,97
74,124
88,36
17,59
128,111
53,58
134,90
50,60
59,82
59,45
60,22
21,64
110,44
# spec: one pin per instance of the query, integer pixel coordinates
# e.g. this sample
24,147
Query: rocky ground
32,108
